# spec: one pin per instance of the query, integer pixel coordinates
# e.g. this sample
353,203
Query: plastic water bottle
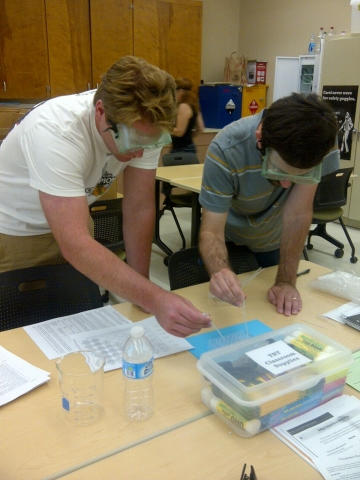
321,32
311,49
138,369
331,33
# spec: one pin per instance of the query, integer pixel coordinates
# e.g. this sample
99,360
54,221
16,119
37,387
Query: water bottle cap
137,332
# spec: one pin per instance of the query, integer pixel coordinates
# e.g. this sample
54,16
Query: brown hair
301,128
188,96
132,89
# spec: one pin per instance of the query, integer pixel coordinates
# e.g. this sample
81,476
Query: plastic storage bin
260,382
220,104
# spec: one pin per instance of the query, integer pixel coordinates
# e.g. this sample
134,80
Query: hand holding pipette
236,289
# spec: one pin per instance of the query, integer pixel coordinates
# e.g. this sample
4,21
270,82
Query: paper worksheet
53,336
109,341
102,329
17,376
327,437
348,309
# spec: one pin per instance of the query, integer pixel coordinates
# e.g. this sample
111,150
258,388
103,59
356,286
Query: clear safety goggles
271,170
128,139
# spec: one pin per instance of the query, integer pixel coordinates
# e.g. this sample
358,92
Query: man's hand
286,298
226,286
179,317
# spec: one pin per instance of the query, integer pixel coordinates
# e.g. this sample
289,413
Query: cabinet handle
4,86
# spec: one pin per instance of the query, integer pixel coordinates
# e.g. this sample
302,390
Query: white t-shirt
56,149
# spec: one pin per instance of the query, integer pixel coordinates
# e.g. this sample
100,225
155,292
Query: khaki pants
31,251
24,252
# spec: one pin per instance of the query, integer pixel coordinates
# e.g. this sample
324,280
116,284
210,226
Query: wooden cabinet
166,33
253,100
44,48
24,66
58,47
111,34
69,47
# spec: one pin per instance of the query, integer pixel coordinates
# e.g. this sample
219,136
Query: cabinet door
68,32
111,34
253,100
23,50
167,33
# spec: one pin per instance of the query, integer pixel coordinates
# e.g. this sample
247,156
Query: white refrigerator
296,74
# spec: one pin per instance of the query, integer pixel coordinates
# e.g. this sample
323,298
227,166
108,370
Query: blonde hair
132,90
188,96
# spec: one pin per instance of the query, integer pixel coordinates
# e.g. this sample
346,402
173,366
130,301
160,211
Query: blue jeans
267,259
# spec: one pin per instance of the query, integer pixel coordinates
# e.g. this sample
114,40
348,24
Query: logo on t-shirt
103,185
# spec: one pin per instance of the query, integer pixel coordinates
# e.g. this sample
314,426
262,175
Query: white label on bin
278,357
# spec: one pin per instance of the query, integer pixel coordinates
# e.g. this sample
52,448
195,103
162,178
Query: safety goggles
272,165
128,139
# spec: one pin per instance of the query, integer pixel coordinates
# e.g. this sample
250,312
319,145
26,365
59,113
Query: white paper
350,308
53,336
278,357
17,376
110,341
328,437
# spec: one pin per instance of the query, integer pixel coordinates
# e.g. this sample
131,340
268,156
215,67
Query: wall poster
343,100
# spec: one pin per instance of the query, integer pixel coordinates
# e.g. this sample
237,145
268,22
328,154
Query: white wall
220,36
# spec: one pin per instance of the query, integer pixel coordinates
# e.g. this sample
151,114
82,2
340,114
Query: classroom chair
331,195
171,200
186,268
107,218
32,295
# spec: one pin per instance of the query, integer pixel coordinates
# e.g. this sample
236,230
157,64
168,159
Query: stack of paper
18,377
102,329
327,437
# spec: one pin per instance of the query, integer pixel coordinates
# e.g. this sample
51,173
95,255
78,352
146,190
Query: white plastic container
260,382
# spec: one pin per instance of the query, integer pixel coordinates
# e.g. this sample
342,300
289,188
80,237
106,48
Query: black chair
107,217
330,196
186,268
171,200
35,294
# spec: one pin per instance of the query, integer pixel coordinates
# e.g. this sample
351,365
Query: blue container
220,104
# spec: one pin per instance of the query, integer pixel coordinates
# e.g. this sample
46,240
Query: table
182,439
170,175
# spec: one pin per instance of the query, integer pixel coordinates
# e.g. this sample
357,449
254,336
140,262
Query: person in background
64,155
189,121
260,177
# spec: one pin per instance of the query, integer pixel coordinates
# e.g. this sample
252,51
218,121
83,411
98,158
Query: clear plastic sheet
341,283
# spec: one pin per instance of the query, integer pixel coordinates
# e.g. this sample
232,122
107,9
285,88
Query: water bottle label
138,370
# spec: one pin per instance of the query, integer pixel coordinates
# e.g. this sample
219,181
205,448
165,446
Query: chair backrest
185,267
181,158
107,217
35,294
332,190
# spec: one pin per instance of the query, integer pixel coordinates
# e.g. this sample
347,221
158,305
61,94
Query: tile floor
322,253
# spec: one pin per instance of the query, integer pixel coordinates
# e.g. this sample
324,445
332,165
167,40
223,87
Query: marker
217,405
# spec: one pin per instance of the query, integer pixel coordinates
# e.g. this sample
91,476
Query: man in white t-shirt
64,155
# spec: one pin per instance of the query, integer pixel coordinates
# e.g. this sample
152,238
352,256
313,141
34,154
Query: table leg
157,240
195,219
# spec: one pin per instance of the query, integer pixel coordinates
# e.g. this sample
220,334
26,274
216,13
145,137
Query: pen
304,272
